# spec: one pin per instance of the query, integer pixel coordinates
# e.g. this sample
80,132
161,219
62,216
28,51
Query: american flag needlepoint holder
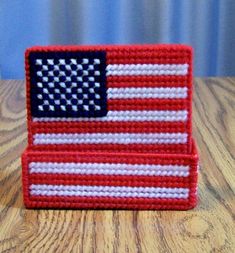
110,127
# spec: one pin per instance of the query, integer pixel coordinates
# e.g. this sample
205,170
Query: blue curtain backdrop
207,25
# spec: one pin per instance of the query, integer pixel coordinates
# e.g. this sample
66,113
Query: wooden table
207,228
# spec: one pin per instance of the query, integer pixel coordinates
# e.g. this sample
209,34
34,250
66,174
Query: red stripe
130,148
190,159
155,56
111,180
147,104
161,54
110,203
147,81
108,127
114,48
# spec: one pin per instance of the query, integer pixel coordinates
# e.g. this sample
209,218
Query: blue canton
68,84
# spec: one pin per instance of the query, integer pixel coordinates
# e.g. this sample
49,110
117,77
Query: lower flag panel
109,180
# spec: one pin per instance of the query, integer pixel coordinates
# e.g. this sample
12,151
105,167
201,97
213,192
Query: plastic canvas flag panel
110,127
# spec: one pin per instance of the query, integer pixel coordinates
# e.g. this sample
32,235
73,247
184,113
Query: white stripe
129,93
110,138
146,69
109,169
108,191
161,115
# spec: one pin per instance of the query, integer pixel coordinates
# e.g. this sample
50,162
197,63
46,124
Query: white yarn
109,169
108,191
110,138
161,92
146,69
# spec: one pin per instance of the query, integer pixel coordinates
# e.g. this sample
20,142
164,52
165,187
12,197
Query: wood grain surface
208,228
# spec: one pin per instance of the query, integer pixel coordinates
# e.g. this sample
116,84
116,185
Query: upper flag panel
126,98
